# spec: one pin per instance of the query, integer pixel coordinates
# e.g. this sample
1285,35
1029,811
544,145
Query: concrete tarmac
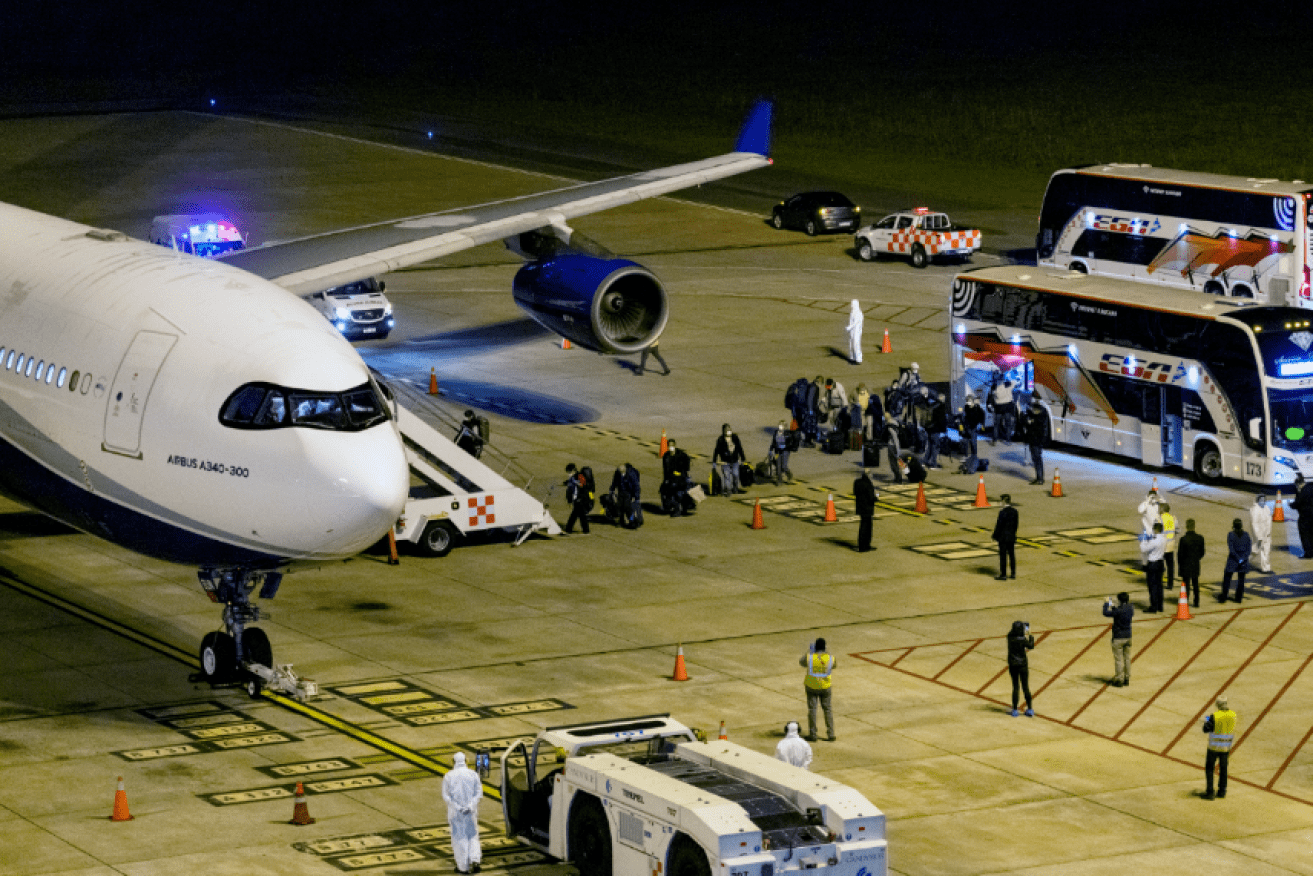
493,642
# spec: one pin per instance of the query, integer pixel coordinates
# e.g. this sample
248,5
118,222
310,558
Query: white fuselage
134,450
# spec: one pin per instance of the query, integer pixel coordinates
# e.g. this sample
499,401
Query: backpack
485,429
586,472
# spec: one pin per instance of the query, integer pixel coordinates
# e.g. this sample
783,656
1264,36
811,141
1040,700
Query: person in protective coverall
854,328
462,790
793,749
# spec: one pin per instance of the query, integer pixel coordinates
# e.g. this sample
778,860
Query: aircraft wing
323,261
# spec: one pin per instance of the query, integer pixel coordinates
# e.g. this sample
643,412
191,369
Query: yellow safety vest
1169,529
1223,735
818,671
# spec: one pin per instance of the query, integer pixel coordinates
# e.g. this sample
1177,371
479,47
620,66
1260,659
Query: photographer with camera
1019,642
1121,614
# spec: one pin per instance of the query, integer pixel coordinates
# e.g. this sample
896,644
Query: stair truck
644,796
452,494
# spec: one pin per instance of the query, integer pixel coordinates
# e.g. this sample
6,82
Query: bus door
1161,425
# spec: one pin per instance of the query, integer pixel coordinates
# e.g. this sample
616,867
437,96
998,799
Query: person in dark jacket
973,420
873,417
579,497
469,437
1019,642
1238,546
936,426
728,456
1302,504
1189,551
796,400
915,470
674,480
1005,533
626,491
811,429
1036,430
865,494
1121,615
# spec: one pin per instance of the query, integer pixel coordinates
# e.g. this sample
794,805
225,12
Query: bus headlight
1286,461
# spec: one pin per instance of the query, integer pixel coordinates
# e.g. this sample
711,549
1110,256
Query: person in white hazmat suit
462,790
1149,513
1260,521
793,748
855,320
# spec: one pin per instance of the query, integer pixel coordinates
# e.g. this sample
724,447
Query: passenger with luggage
937,427
471,435
834,400
1005,412
782,443
728,457
626,509
675,482
973,419
811,421
580,492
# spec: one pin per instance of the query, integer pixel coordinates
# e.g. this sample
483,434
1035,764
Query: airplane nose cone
361,488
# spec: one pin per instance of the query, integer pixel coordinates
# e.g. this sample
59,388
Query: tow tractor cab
207,235
359,310
644,795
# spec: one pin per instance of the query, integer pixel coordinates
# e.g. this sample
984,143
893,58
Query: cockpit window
266,406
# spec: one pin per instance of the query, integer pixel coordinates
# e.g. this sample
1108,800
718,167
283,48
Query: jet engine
609,305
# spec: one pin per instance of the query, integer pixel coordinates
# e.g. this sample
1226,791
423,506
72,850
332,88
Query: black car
817,213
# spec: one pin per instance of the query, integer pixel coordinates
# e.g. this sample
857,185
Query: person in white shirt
793,749
1152,548
1260,522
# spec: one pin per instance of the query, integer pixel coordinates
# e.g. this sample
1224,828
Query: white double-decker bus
1170,378
1225,235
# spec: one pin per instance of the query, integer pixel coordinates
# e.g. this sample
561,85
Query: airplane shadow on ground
31,524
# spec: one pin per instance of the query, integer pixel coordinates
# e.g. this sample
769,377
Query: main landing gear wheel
218,657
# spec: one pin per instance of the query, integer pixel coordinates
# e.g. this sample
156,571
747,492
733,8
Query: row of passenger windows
266,406
42,371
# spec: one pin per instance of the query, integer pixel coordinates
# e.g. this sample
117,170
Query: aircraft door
131,389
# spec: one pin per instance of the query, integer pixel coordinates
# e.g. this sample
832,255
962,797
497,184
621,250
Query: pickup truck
920,233
643,795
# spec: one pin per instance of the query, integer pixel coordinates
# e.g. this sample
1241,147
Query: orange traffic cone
757,522
661,451
1278,510
921,507
1183,607
120,804
433,381
681,673
565,343
884,347
981,500
723,734
1155,485
300,812
1056,492
793,425
830,516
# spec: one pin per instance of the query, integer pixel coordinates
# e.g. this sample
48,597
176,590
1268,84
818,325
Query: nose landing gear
242,653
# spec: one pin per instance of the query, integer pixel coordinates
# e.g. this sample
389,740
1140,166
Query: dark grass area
951,105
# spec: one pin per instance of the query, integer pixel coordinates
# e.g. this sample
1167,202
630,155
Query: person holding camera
1121,614
1019,642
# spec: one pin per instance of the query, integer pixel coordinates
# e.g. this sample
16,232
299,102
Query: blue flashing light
430,135
1071,351
1193,373
1016,339
1295,369
211,101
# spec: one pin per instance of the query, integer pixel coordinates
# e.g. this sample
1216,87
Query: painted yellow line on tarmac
400,752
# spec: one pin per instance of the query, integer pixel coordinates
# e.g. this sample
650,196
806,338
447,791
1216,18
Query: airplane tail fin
755,134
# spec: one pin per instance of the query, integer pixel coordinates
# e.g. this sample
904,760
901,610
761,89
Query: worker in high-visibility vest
1220,728
819,666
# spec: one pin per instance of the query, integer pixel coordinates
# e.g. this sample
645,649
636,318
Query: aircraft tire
218,657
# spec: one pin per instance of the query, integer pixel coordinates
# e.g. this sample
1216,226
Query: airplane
200,412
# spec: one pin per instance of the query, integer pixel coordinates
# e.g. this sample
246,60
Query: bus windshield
1292,419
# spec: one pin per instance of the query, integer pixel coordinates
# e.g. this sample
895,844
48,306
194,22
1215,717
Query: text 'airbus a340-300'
199,411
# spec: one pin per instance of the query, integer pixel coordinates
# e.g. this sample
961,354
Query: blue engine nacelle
608,305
